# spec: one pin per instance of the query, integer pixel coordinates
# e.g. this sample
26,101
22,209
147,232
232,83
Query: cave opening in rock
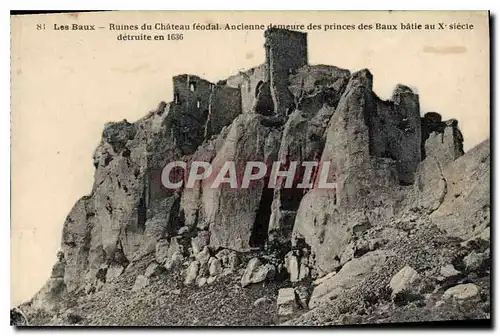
259,234
176,218
290,198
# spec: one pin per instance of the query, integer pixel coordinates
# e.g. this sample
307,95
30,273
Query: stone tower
286,51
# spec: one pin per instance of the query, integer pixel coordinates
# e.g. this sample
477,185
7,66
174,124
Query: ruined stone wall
224,106
247,82
395,131
189,111
286,51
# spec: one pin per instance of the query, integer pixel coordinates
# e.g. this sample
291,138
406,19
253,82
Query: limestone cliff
390,162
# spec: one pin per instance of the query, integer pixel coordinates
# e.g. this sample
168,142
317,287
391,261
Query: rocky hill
403,237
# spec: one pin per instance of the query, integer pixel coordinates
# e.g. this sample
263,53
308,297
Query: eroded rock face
465,207
366,185
233,215
387,161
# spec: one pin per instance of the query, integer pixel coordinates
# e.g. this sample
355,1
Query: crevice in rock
101,274
369,114
119,257
260,227
141,214
176,218
107,160
445,187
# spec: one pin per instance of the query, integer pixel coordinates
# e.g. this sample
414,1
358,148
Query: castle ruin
283,110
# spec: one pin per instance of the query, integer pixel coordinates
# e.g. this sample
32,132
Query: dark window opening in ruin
192,86
177,99
258,237
198,103
141,214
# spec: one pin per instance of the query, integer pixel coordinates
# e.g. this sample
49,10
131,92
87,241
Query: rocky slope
404,236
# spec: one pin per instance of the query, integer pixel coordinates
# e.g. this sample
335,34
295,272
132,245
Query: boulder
224,256
403,280
229,260
154,269
214,266
476,262
174,262
114,271
161,251
349,276
200,241
201,281
192,273
233,261
256,272
174,248
140,283
304,270
287,302
262,302
448,271
462,292
204,255
183,231
292,266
